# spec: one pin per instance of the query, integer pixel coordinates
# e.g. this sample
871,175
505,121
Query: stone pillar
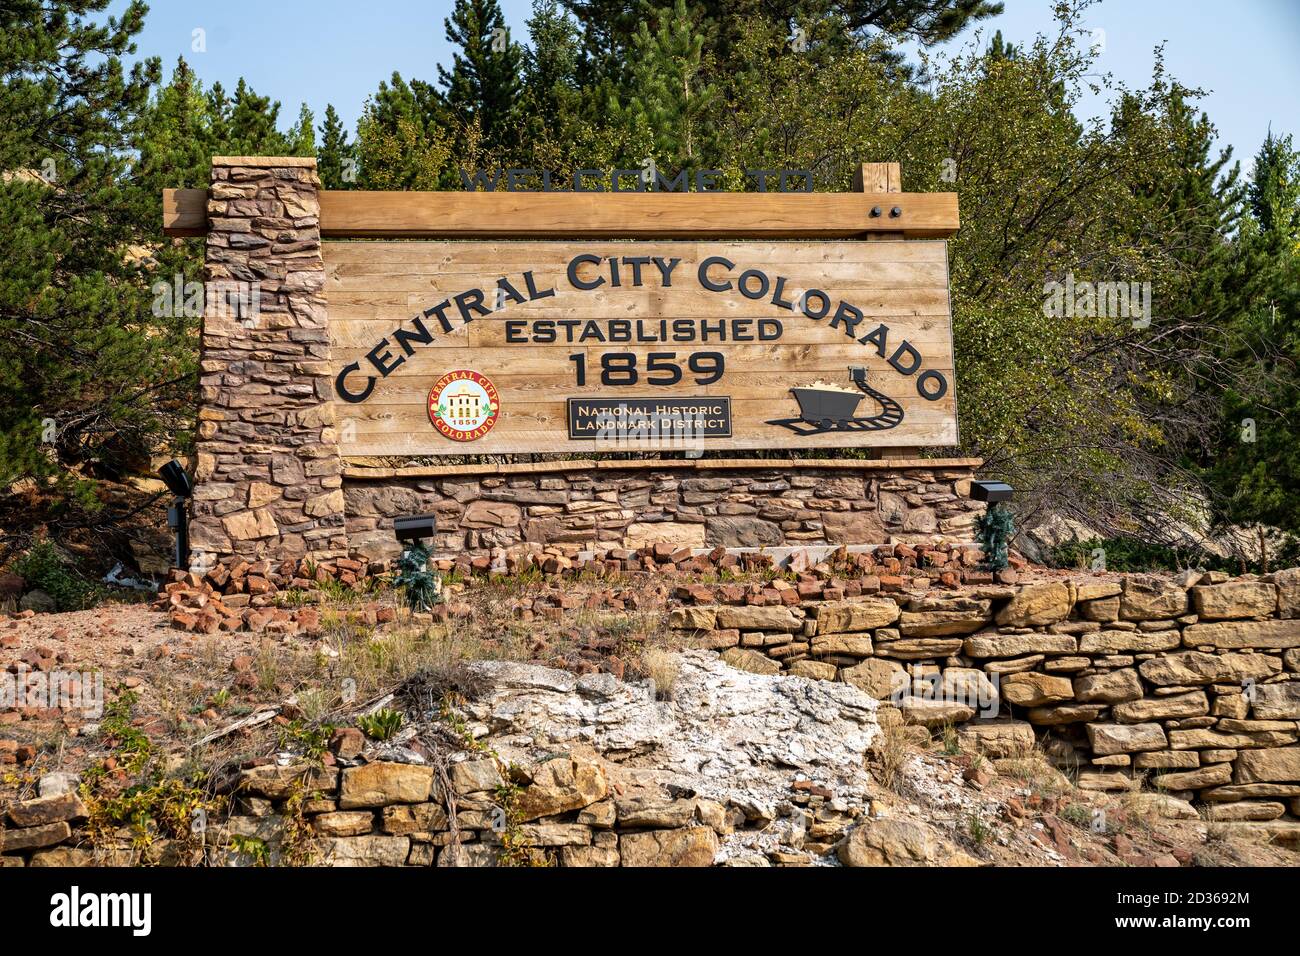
269,475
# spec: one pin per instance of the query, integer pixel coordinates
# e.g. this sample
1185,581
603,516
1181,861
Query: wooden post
883,178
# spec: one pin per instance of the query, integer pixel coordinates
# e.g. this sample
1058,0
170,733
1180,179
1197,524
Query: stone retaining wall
686,504
1193,681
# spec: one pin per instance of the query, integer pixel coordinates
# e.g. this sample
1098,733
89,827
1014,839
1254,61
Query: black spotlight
990,491
179,484
177,481
415,527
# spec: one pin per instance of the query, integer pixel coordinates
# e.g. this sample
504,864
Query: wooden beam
185,212
520,215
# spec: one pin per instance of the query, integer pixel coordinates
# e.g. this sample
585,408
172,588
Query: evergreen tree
82,360
485,81
669,96
336,157
1255,468
401,143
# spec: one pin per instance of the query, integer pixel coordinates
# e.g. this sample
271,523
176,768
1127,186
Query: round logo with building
464,405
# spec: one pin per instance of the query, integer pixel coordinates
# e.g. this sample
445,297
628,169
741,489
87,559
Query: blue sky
1245,53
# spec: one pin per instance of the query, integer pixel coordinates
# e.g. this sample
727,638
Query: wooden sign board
472,347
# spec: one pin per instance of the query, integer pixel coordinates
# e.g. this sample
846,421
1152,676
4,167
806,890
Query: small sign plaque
649,419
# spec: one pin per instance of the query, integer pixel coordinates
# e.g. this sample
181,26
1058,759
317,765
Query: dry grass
661,666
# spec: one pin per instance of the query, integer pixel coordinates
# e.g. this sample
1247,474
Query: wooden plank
362,472
479,215
185,212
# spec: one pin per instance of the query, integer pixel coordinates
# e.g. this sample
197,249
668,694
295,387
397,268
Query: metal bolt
896,212
875,212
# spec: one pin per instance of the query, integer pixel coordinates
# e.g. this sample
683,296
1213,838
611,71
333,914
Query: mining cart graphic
826,407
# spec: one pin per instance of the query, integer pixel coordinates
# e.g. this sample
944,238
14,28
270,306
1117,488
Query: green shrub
42,568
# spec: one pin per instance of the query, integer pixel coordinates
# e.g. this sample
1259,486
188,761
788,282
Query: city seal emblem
464,405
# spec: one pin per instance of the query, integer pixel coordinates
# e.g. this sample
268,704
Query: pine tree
485,80
336,157
1255,468
669,94
401,142
82,359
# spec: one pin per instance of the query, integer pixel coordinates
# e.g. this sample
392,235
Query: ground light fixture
995,527
179,484
421,586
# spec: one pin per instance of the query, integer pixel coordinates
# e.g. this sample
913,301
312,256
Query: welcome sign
501,347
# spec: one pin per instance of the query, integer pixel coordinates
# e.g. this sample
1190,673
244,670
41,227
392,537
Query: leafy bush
1132,554
42,568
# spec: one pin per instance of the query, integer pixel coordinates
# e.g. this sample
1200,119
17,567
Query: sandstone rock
747,659
250,525
1104,780
63,857
754,618
601,815
32,838
1288,593
1280,765
693,618
651,812
1209,776
920,648
929,712
1193,667
589,856
1234,599
1036,605
1147,597
876,678
847,645
678,534
1167,760
1164,806
1096,590
992,644
997,738
1200,739
1277,701
277,783
475,776
561,785
1108,687
1251,791
1241,634
1125,738
688,846
1124,642
364,851
844,616
1029,689
741,531
1246,810
1103,610
853,527
945,622
476,855
403,819
813,670
899,842
554,834
1065,714
344,823
1162,708
42,810
379,784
